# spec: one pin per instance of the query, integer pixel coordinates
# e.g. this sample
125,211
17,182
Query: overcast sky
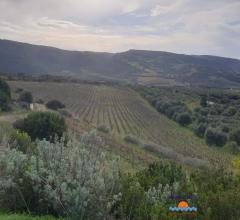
181,26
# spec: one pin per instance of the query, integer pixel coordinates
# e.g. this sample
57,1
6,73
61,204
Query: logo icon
183,208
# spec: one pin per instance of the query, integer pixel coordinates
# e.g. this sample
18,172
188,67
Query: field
125,112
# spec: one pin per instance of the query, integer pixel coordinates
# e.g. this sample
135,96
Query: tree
235,136
43,125
5,96
215,137
203,101
26,97
184,119
199,129
55,105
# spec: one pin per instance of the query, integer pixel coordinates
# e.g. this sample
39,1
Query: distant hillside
137,66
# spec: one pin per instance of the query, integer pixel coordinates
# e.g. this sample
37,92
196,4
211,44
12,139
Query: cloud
184,26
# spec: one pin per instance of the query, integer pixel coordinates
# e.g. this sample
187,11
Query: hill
126,113
134,66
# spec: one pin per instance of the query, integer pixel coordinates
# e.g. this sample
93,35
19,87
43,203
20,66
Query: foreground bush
73,180
145,195
9,216
42,125
15,139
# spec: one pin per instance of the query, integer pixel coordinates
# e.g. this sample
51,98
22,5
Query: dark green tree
5,96
55,105
26,97
235,136
215,137
203,101
43,125
184,119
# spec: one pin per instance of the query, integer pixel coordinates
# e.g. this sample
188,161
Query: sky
182,26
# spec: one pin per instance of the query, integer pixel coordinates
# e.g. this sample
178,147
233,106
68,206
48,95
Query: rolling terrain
133,66
125,112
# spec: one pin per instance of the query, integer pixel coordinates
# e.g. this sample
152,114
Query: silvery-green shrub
72,179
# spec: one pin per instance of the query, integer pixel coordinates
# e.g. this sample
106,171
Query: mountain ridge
134,66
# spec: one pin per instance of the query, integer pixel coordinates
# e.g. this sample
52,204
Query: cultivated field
125,112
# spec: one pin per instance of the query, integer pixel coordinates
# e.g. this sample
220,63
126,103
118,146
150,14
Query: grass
8,216
125,112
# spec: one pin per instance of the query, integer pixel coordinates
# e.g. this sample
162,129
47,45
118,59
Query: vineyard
124,111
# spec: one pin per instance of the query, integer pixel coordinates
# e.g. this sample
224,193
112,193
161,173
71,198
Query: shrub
215,137
235,136
184,119
55,105
19,90
43,125
20,141
195,162
74,180
65,113
225,129
199,129
161,151
230,111
15,139
4,102
233,147
132,140
5,96
203,101
103,128
40,101
4,88
145,194
26,97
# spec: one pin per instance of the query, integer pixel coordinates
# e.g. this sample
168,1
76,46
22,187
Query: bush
203,101
184,119
40,101
103,128
161,151
195,162
132,140
20,141
233,146
235,136
26,97
199,129
5,96
225,129
42,125
4,88
74,180
145,194
215,137
230,111
55,105
19,90
65,113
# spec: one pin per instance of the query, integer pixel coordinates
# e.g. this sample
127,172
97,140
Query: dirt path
10,118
